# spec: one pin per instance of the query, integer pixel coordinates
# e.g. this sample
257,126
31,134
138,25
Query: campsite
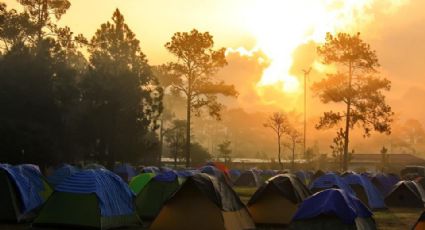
212,114
93,197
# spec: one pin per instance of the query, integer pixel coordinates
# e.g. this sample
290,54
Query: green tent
138,182
151,198
96,199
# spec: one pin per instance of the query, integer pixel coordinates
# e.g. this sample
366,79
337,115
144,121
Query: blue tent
235,173
187,173
334,202
212,171
30,186
385,182
61,173
115,197
330,180
125,171
374,197
151,169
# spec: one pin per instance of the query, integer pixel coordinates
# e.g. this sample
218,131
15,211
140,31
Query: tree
384,158
175,137
192,75
200,154
356,85
16,28
121,95
40,12
296,137
225,151
278,123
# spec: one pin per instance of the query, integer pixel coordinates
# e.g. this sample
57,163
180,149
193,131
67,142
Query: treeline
66,98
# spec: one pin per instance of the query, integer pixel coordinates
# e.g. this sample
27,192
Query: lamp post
306,73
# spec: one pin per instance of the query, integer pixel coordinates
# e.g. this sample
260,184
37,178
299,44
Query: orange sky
395,28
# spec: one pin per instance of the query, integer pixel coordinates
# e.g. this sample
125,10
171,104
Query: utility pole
306,73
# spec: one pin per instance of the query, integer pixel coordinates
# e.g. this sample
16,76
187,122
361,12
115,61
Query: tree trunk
278,147
161,142
188,132
347,120
293,155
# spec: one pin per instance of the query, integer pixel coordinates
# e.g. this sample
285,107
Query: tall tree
278,123
225,151
356,85
296,138
122,95
16,28
41,11
175,136
192,75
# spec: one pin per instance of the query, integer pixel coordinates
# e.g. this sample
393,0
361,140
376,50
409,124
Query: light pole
306,73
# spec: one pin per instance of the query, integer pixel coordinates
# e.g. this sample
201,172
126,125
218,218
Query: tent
93,198
94,166
330,180
125,171
22,191
333,209
384,182
151,169
138,182
406,194
158,190
276,201
248,179
203,202
61,173
213,171
234,174
220,166
303,176
420,224
365,191
317,174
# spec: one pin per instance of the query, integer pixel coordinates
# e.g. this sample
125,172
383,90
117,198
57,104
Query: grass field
390,219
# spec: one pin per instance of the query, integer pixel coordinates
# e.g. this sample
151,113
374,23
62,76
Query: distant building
373,162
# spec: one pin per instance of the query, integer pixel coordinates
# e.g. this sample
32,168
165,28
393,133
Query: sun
280,27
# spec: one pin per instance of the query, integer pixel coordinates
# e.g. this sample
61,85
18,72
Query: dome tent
248,178
365,191
203,202
22,191
93,198
138,182
384,182
151,198
61,174
333,209
276,201
125,171
406,194
330,180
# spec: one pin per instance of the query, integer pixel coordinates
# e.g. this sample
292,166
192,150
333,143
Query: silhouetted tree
225,151
120,93
296,138
354,84
278,123
176,139
200,154
192,75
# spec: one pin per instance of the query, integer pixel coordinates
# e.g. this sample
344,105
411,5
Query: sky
271,41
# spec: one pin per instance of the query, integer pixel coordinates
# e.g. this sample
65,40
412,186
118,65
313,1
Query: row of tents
190,199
